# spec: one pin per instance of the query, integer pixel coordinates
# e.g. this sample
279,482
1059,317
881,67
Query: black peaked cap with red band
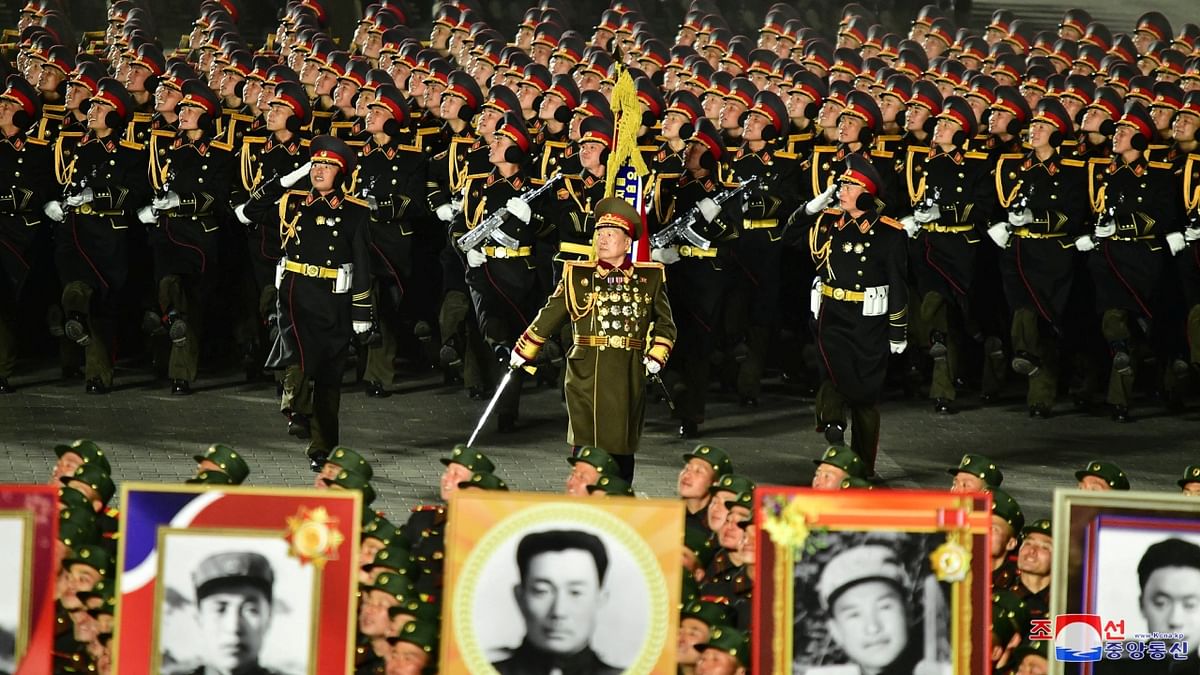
327,149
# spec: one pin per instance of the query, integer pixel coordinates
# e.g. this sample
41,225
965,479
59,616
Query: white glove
1106,229
821,202
708,209
1085,244
86,195
475,258
1192,233
519,208
372,203
814,298
652,366
898,347
666,256
927,215
911,226
1000,234
1020,218
445,213
240,212
515,360
294,177
146,216
166,203
54,211
361,327
1175,242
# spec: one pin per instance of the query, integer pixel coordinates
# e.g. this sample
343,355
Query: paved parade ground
151,435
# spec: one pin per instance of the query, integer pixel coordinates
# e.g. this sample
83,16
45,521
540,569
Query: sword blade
491,405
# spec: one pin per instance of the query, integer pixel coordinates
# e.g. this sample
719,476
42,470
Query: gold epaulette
649,265
1161,165
162,133
784,154
131,145
355,200
1077,163
222,145
974,154
891,222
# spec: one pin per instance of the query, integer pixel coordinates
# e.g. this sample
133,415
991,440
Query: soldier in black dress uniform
102,179
391,177
324,279
1038,189
191,182
26,162
860,301
1139,226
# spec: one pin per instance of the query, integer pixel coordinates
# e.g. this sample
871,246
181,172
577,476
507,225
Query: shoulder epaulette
305,142
34,140
222,145
891,222
300,193
132,145
1161,165
883,154
240,117
163,133
832,211
1010,155
1100,161
425,131
1072,162
784,154
918,150
142,117
973,154
649,265
253,140
477,176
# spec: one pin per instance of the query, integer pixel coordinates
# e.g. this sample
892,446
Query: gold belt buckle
85,208
614,341
311,271
685,250
500,252
839,294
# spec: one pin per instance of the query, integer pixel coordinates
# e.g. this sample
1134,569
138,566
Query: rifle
684,226
491,226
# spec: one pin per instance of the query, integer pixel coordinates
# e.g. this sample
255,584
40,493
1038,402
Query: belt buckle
614,341
311,270
839,294
500,252
685,250
85,208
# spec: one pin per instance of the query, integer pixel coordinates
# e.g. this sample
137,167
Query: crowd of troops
1033,195
401,578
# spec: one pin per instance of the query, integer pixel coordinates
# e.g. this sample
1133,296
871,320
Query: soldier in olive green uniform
1007,524
220,458
623,329
1190,483
1100,475
588,465
1032,585
704,466
975,473
837,464
727,651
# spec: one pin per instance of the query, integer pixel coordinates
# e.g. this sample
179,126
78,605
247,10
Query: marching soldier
101,178
27,164
578,195
390,177
190,177
698,258
623,329
501,275
1139,216
324,287
859,300
1037,258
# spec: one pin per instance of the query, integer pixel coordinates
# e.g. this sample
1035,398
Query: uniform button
863,259
328,262
330,248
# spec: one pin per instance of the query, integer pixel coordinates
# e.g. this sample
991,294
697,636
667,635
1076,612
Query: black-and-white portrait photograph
563,594
868,603
234,604
1150,577
12,589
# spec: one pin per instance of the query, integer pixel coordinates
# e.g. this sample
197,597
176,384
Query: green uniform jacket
618,316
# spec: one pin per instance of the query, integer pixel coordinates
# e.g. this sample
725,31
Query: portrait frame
34,510
299,528
642,538
945,535
1097,534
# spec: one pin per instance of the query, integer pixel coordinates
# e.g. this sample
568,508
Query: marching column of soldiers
936,208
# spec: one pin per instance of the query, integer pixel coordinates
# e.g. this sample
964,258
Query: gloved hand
1084,244
929,215
1106,229
166,202
146,216
519,208
652,367
54,211
361,327
240,212
445,213
897,347
911,226
708,209
372,203
666,256
821,202
1000,234
294,177
86,195
1176,242
1192,233
515,360
1020,218
814,297
475,258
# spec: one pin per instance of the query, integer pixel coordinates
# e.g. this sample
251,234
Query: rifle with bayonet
490,228
684,227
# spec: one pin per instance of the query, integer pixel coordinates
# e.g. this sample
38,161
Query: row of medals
633,311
